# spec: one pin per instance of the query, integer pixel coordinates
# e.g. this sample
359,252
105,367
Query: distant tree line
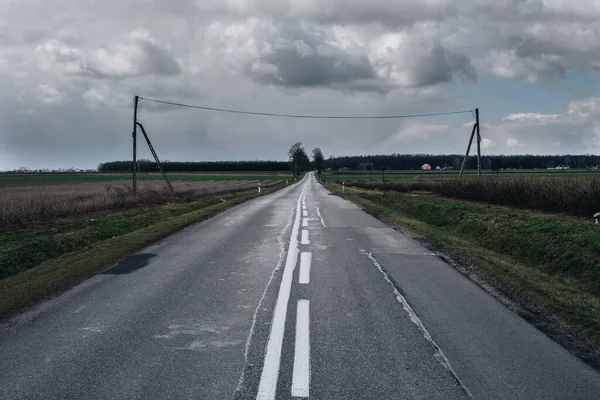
196,166
299,162
415,161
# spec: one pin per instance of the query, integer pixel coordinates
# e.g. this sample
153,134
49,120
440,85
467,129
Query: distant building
426,167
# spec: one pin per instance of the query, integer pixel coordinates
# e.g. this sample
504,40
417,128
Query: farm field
28,203
576,195
58,229
49,178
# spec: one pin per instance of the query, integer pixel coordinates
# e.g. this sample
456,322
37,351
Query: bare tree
298,158
318,160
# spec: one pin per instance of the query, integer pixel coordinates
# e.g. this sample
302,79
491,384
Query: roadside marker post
258,187
343,186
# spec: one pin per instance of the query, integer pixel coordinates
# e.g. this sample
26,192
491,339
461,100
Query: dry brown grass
24,205
571,195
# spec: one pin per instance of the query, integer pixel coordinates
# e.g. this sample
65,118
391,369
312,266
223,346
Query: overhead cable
268,114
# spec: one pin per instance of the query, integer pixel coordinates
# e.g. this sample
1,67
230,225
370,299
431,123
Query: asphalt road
299,294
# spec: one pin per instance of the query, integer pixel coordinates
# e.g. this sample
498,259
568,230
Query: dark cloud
302,56
156,60
558,53
294,69
140,55
439,65
136,56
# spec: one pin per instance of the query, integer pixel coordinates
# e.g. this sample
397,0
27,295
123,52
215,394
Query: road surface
298,294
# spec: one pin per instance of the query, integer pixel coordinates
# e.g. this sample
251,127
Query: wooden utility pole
134,135
478,143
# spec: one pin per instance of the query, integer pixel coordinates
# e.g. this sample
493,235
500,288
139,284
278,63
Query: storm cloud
69,71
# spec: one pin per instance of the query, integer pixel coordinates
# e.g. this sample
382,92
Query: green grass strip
58,273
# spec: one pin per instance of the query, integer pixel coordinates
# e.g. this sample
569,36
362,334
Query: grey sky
69,70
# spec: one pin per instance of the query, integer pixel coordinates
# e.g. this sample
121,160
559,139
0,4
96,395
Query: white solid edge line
304,221
304,239
439,354
267,388
301,372
305,262
305,213
282,253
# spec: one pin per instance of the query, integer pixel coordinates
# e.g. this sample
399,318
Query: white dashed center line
305,261
304,221
304,239
301,373
305,213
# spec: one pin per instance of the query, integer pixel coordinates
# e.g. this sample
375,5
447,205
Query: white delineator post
258,187
343,186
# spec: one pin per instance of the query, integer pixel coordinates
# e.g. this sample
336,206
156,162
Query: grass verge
548,263
48,260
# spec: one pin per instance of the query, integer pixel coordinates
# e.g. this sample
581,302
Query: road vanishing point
297,294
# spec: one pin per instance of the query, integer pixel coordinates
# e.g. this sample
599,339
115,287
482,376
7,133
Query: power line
266,114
